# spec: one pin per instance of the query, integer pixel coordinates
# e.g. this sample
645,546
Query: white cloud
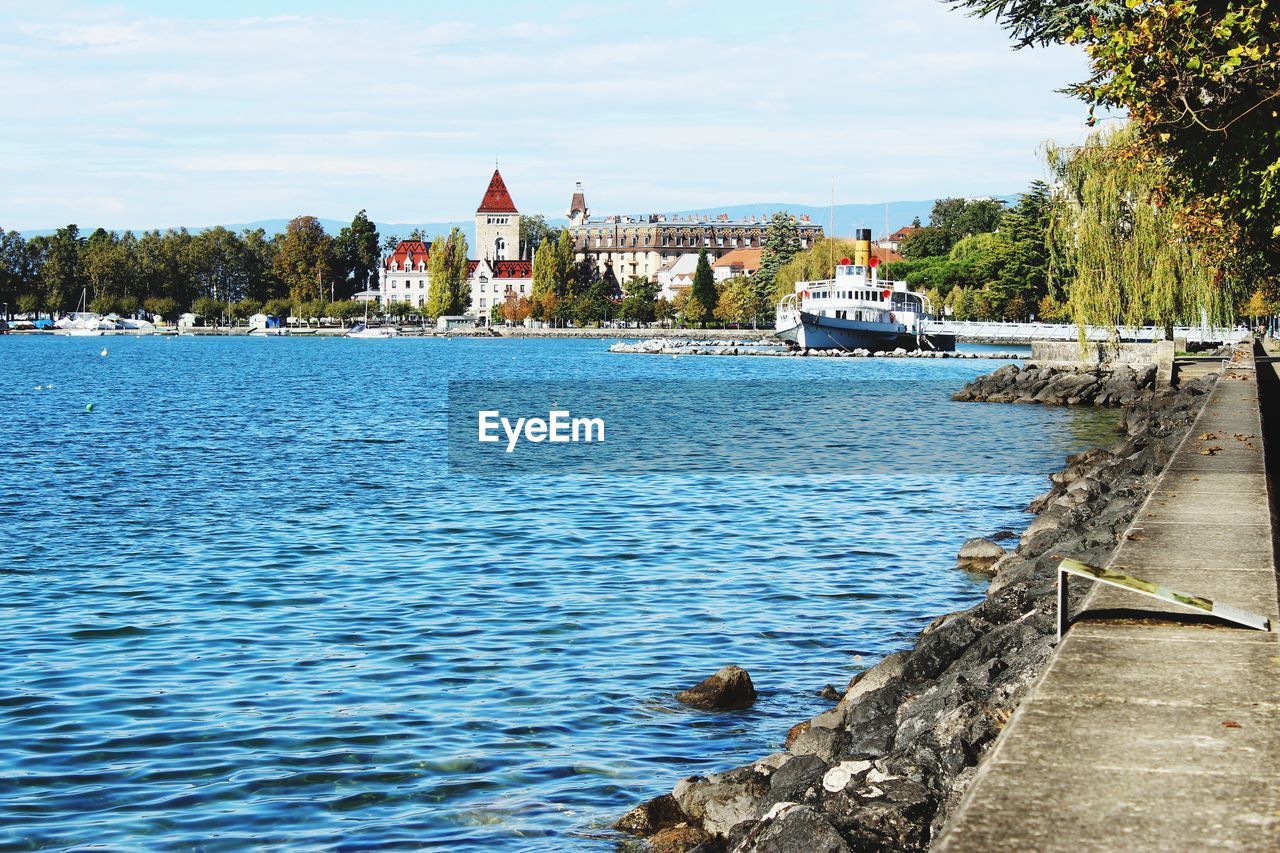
129,118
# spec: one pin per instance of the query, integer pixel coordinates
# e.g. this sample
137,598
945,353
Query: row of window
864,295
679,240
497,220
422,284
421,267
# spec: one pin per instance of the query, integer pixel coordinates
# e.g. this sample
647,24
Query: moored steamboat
858,310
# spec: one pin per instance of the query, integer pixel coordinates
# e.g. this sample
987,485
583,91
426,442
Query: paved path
1156,730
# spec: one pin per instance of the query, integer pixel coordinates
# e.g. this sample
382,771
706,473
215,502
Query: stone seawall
885,767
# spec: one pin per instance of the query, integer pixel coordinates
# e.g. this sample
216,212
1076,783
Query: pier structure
1154,728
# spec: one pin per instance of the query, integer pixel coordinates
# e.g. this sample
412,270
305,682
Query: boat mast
831,234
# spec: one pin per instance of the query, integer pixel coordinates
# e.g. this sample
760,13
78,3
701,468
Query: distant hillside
847,218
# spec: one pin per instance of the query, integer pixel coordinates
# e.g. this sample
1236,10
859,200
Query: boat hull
816,332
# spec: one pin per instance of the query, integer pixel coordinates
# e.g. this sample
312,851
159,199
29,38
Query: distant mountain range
846,218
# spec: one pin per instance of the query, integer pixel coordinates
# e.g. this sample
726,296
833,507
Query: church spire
496,198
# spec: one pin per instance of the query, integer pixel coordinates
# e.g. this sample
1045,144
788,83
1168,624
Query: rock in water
679,839
652,817
979,555
727,690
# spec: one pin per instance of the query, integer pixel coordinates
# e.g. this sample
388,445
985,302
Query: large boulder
792,828
652,816
979,555
727,690
679,839
718,801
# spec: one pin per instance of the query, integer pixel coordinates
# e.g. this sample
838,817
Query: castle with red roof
405,273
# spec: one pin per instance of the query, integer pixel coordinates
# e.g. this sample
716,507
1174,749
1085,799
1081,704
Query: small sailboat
82,323
363,331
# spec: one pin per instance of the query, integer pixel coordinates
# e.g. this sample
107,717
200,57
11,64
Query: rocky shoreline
884,768
1095,385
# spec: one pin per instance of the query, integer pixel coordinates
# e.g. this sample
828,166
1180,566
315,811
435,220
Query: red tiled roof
903,233
747,259
496,198
407,251
886,256
505,269
513,269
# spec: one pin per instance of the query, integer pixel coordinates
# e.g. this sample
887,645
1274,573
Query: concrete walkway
1154,728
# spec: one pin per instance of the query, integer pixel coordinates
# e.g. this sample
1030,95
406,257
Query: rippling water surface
244,601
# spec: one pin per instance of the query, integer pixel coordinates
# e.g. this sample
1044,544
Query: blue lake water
244,601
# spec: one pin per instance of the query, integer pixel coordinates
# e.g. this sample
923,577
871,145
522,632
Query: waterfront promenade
1153,728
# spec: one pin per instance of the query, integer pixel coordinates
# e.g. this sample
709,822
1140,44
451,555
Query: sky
155,114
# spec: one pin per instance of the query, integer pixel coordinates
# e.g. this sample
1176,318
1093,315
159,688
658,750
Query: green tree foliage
951,220
781,244
599,301
347,309
245,308
927,242
534,231
565,267
741,301
703,295
15,276
449,292
302,258
545,267
1022,255
1005,266
277,307
609,287
1258,307
30,303
664,311
640,300
217,260
583,276
63,272
259,259
1199,82
209,308
106,267
1122,241
355,256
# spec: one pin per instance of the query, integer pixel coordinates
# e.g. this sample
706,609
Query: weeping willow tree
813,264
1120,243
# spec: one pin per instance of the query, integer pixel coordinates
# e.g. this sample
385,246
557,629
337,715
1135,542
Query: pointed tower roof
578,204
496,198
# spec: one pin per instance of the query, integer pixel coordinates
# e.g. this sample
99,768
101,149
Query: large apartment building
650,244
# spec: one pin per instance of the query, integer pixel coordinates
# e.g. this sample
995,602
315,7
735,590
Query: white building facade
404,275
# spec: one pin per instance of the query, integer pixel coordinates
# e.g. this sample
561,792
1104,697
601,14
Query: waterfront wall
1070,352
887,765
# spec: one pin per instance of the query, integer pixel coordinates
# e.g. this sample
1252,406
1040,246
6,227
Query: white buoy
104,352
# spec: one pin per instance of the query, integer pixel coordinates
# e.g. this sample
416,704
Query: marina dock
1153,727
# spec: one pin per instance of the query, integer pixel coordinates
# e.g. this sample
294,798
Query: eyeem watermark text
558,427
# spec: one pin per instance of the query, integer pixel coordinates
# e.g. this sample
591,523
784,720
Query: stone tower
497,223
578,212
